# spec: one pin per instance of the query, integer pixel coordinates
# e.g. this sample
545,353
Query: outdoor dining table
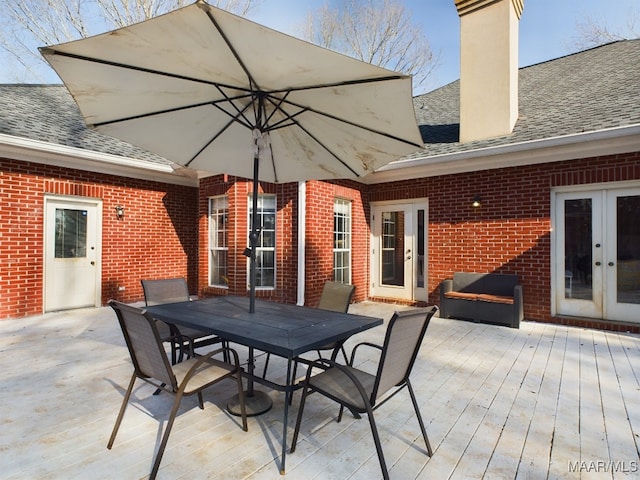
277,328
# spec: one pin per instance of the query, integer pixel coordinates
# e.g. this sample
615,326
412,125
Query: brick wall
319,241
155,238
510,232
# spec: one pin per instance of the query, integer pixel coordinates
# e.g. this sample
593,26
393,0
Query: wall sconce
119,211
477,202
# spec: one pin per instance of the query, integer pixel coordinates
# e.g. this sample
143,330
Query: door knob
598,264
611,264
92,262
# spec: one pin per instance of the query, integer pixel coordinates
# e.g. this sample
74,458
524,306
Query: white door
72,270
621,262
597,272
399,239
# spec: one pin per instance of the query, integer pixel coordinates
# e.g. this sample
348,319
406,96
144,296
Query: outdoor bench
482,297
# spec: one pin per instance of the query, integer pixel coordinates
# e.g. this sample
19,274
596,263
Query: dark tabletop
282,329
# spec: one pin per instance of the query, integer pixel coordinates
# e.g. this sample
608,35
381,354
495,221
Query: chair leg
243,409
165,436
266,365
296,430
376,440
123,407
422,428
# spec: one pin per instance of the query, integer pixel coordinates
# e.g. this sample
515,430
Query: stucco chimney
488,67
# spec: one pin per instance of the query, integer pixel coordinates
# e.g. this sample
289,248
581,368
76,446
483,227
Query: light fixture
477,202
119,211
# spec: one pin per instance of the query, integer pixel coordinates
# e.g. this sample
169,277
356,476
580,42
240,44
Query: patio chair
151,364
173,290
335,297
363,392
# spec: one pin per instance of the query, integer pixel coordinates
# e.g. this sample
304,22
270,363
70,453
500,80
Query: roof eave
46,153
569,147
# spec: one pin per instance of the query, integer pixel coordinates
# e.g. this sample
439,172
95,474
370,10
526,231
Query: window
218,241
71,233
266,244
342,241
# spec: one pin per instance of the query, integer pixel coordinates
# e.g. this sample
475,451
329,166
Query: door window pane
421,249
71,233
628,249
578,240
392,257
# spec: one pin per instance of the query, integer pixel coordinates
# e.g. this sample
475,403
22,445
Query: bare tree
591,32
28,24
376,31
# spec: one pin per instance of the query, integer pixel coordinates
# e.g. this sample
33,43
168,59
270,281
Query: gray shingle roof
583,92
48,113
586,91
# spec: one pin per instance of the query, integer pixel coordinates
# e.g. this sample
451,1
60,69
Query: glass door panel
623,255
393,248
578,238
628,249
578,271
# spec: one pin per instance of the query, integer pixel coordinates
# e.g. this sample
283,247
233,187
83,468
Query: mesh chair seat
338,384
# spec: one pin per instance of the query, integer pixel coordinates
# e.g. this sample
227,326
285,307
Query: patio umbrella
215,92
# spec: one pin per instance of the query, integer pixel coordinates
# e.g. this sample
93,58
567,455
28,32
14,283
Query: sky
547,29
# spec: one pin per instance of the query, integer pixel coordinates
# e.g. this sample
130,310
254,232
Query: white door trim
96,204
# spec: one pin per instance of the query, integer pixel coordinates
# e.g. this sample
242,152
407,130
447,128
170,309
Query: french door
399,239
72,246
597,271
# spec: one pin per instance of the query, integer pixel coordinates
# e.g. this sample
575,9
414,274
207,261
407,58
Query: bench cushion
485,297
462,295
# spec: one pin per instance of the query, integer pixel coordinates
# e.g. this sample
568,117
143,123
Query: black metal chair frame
367,400
153,367
171,290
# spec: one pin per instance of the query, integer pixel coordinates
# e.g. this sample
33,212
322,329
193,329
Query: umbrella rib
233,50
342,120
334,155
126,66
344,83
233,120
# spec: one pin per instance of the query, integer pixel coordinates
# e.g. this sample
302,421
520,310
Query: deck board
522,403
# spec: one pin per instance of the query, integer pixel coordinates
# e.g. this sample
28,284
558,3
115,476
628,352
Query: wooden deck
541,402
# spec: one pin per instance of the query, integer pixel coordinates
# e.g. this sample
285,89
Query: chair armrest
203,358
362,344
446,285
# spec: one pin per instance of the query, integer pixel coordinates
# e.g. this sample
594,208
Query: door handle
598,264
611,264
92,262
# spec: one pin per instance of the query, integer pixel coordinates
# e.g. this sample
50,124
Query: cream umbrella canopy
216,92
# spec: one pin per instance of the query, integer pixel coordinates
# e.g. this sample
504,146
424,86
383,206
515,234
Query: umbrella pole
256,401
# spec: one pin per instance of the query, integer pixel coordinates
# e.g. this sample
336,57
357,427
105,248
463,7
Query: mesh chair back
166,290
401,345
336,297
144,343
